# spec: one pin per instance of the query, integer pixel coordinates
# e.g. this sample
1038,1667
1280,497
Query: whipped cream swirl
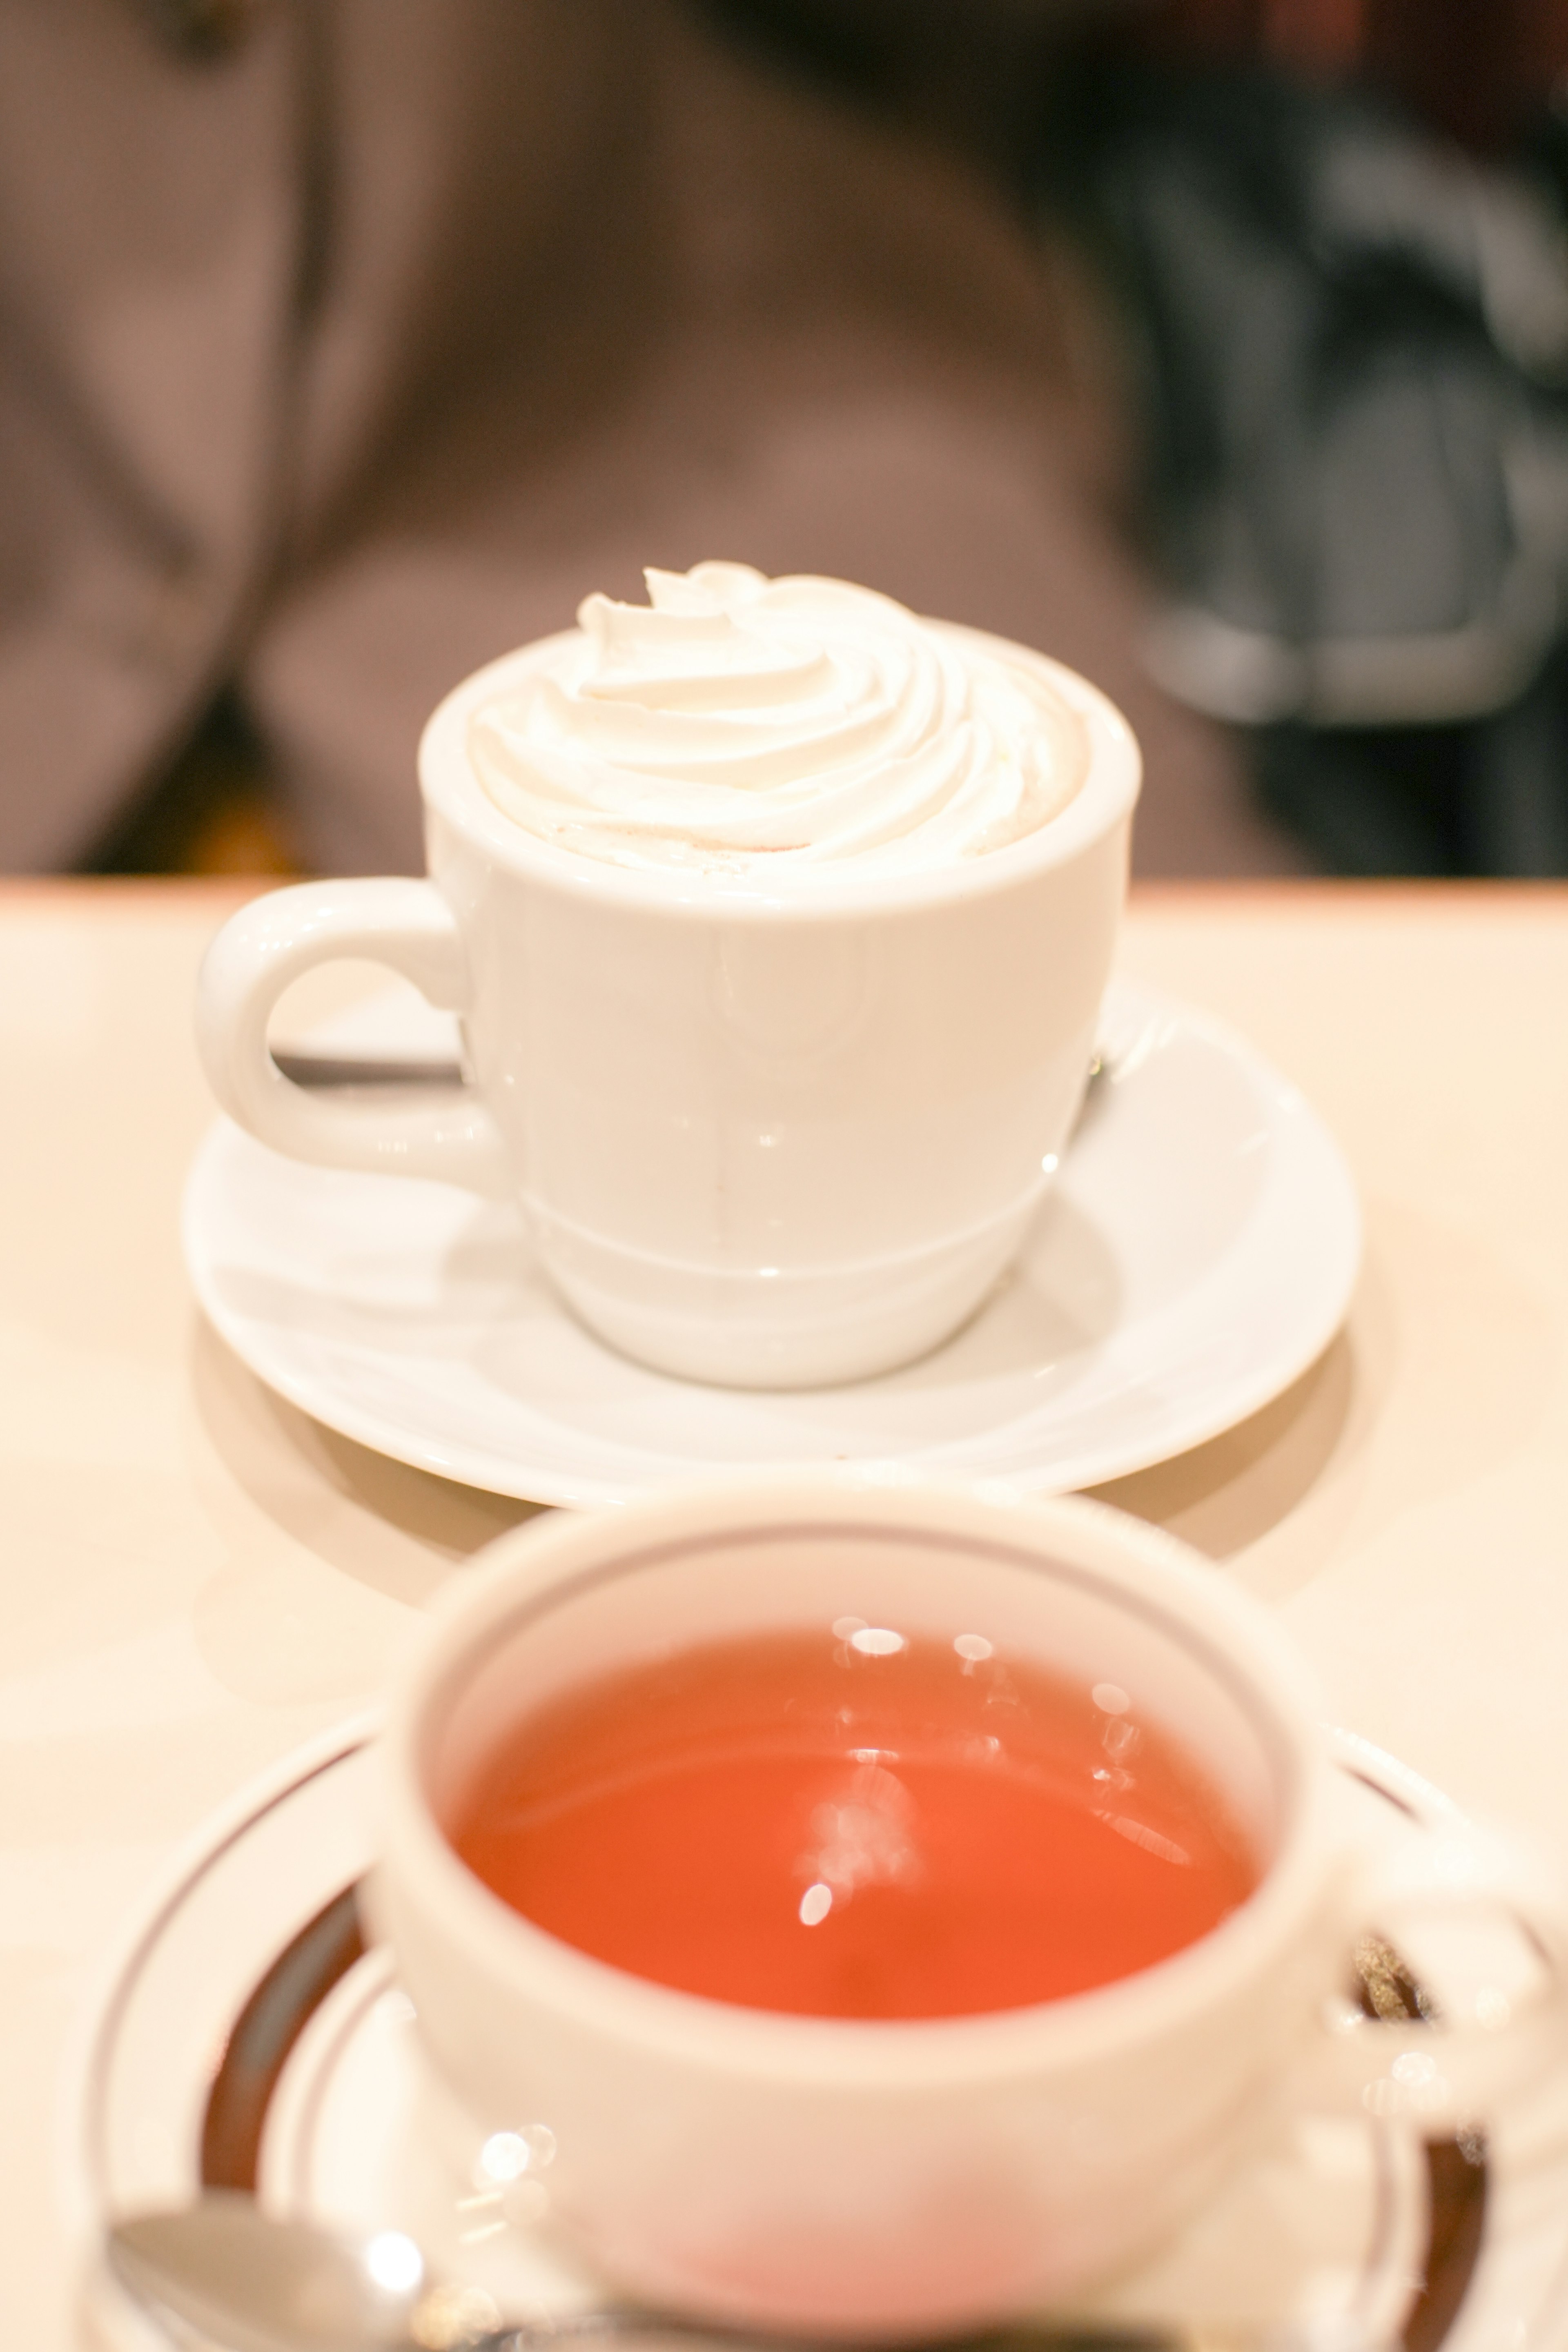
737,725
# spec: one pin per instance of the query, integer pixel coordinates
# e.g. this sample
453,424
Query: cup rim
523,1569
453,793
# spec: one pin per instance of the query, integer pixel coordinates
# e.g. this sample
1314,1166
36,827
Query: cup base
777,1329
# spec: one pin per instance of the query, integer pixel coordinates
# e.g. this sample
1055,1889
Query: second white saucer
242,2037
1197,1253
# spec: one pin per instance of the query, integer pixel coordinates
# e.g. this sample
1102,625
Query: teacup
766,1130
894,2176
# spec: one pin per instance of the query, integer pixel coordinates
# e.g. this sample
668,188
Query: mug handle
1459,2071
442,1132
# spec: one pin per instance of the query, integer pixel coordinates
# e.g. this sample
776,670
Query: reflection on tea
857,1822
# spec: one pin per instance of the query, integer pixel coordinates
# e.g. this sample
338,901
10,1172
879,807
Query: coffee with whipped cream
800,725
778,922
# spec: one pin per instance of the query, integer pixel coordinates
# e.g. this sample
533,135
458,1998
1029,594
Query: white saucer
242,2036
1197,1255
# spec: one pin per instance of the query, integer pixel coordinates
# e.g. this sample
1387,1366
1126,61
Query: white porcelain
1320,2234
1139,1318
851,2178
760,1137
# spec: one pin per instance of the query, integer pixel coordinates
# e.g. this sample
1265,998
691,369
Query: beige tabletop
194,1577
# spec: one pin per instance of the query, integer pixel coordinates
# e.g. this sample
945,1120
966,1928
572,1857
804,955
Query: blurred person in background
346,344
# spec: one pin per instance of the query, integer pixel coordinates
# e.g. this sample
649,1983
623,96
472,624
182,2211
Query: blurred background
1218,346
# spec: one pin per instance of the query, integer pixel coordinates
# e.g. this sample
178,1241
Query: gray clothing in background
338,360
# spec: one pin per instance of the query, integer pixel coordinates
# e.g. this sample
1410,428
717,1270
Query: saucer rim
1338,1226
107,1987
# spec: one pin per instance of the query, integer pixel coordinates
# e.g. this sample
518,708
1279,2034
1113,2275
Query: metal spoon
316,1070
223,2272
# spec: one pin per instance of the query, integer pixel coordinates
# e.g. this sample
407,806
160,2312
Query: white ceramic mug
896,2177
761,1138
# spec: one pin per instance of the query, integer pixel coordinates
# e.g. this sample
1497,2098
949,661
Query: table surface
196,1577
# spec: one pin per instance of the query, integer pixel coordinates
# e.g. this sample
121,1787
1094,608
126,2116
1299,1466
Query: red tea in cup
856,1823
881,1975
